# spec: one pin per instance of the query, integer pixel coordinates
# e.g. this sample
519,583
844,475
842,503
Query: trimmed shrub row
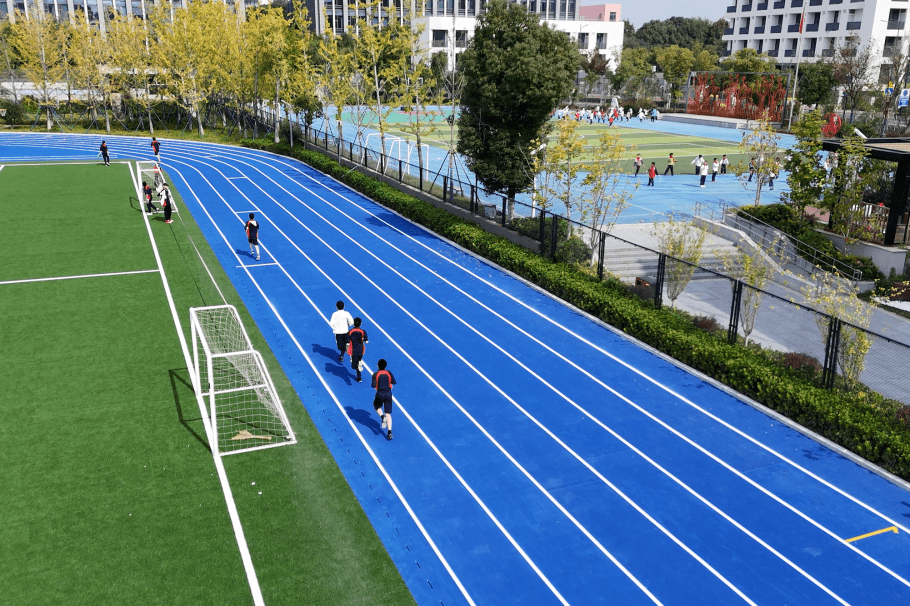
863,423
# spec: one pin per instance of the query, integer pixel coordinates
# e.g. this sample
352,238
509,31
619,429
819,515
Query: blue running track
539,457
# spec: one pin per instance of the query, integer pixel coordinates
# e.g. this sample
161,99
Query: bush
706,323
862,422
574,251
798,361
15,113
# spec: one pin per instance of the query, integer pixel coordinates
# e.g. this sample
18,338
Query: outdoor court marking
872,534
556,391
245,556
663,387
51,279
257,264
618,491
322,380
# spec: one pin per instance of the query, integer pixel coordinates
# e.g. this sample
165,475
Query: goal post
151,173
231,377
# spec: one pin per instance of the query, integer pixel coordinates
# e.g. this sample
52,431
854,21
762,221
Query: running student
166,203
382,403
156,149
252,235
341,322
104,156
357,340
652,172
638,162
670,162
147,194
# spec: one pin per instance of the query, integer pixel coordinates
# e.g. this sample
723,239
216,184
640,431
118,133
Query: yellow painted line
872,534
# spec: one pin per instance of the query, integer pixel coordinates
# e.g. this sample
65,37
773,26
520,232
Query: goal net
240,398
151,173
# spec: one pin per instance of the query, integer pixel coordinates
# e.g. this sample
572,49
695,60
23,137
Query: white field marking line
608,354
115,273
586,412
363,441
482,429
245,212
572,403
458,476
248,266
252,580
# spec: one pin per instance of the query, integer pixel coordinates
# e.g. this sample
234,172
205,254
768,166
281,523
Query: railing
775,29
780,3
759,29
744,30
790,53
815,2
896,23
828,52
832,27
890,51
762,6
728,31
836,2
812,27
793,28
773,53
808,52
747,7
796,3
731,9
854,25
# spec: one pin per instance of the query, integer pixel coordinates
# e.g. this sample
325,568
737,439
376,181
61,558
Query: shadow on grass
364,418
176,381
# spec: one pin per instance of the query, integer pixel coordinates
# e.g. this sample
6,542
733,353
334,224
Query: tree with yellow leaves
40,43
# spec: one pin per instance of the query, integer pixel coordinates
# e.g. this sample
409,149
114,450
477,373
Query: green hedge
862,423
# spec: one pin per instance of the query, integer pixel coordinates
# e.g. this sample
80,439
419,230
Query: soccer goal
150,172
241,400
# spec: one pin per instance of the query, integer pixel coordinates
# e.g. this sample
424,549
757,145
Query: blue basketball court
538,456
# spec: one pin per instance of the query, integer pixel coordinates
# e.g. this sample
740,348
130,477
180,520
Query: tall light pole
799,56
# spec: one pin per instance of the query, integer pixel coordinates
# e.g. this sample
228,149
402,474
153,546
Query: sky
640,11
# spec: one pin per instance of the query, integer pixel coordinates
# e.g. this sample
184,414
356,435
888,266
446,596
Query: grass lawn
110,492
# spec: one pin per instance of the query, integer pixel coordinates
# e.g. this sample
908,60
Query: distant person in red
382,403
252,235
147,195
652,172
357,340
167,203
104,155
156,149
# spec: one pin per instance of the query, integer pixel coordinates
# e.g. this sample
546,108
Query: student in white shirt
341,322
714,167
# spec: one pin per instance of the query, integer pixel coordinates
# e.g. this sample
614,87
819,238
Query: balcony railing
796,3
731,9
728,31
780,3
762,6
790,53
827,52
815,2
812,27
772,53
853,25
747,7
896,23
775,29
759,29
793,28
744,30
832,27
808,52
889,51
836,2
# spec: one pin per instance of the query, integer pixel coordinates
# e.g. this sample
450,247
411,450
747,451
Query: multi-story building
448,25
773,27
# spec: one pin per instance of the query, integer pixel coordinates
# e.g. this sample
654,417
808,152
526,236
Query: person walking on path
104,156
724,163
638,162
156,149
652,172
703,171
697,162
751,169
357,340
653,114
775,170
147,195
166,203
670,162
252,235
382,382
341,323
714,167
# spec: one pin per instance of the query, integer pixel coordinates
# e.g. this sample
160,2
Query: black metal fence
831,352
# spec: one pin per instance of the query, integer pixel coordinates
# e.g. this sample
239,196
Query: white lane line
247,560
257,264
331,393
616,359
591,416
54,278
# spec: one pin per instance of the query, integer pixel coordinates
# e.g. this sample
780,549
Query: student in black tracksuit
252,235
104,156
156,149
382,403
147,194
357,340
166,203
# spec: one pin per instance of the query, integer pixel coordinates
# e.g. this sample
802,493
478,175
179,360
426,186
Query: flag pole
799,57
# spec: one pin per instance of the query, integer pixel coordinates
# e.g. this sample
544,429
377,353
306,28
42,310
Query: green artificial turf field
110,492
653,146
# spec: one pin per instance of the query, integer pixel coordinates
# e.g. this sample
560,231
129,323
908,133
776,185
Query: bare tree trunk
256,106
277,119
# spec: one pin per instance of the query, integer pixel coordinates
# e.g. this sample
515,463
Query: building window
612,16
461,38
583,40
601,41
440,38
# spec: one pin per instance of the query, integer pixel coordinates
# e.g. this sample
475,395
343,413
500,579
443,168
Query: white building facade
773,27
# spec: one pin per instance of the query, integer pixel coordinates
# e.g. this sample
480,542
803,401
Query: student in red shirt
382,403
652,172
